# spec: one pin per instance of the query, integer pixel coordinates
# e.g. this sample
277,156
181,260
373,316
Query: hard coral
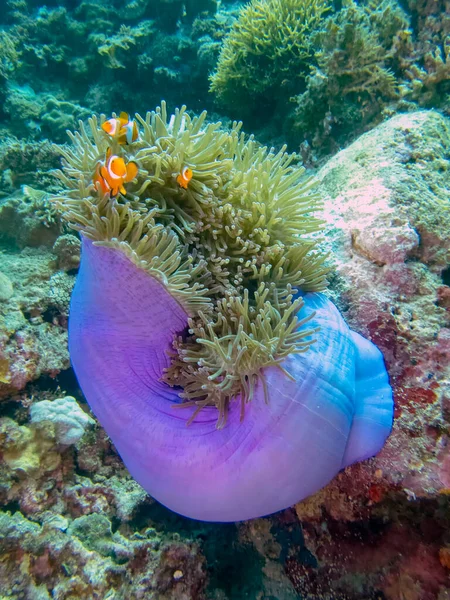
353,77
9,56
24,162
269,48
427,69
69,420
29,219
111,47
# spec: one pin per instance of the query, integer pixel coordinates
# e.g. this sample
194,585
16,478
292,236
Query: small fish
122,128
113,173
184,177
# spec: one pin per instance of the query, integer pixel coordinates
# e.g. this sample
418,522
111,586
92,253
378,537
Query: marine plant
196,330
269,48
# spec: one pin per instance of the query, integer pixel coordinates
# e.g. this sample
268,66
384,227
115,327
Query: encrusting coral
232,248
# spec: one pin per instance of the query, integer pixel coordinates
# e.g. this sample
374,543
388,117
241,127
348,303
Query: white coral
69,419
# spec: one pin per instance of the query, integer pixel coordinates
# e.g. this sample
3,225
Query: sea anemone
196,328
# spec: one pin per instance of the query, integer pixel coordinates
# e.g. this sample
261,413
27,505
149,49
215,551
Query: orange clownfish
121,128
113,173
184,177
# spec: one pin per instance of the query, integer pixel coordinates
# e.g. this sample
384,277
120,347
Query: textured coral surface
384,524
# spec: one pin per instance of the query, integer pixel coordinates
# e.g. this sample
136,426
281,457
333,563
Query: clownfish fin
122,190
99,181
182,182
103,172
132,171
122,138
135,133
124,117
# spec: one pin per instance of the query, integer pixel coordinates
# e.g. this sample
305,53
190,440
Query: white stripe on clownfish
130,132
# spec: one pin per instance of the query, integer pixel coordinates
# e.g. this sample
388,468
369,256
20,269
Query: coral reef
26,163
346,70
379,530
386,204
33,316
73,524
33,115
267,51
60,63
355,73
428,64
29,219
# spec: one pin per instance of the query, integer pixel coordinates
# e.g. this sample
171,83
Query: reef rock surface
388,222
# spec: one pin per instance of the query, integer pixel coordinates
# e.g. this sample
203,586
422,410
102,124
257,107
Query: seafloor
362,92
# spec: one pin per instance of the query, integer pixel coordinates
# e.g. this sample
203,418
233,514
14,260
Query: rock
33,330
6,288
387,207
69,419
128,496
28,450
67,248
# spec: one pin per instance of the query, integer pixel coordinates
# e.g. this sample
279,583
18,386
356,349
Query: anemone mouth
221,359
232,246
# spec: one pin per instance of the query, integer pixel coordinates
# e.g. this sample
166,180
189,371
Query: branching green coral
110,46
232,248
427,67
269,46
9,55
353,56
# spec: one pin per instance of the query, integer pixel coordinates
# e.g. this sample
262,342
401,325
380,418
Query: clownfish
113,173
184,177
122,128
